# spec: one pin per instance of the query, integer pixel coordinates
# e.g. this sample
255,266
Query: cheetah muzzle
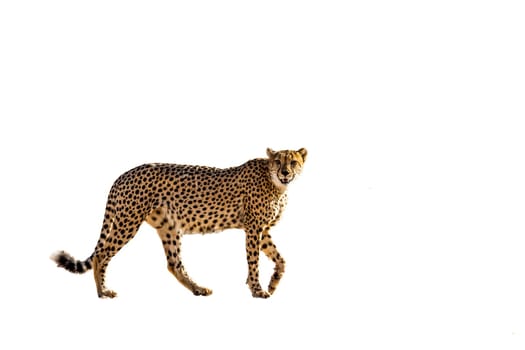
185,199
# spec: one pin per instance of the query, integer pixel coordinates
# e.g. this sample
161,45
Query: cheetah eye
277,162
293,163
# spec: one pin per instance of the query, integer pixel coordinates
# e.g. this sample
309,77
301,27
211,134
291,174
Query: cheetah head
285,165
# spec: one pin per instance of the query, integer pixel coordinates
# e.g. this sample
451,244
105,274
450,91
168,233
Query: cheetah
188,199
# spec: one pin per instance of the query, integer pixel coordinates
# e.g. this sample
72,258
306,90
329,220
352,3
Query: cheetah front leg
268,247
252,255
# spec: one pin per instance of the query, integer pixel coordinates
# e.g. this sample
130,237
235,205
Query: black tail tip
67,262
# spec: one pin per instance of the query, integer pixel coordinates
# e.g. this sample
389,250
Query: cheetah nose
285,172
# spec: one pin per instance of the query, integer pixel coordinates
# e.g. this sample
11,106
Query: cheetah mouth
282,180
285,181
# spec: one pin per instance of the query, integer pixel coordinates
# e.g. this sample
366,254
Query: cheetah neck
281,188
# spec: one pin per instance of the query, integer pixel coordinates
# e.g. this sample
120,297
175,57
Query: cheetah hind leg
99,270
188,283
105,250
177,269
163,220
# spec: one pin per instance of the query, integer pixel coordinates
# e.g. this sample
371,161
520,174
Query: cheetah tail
69,263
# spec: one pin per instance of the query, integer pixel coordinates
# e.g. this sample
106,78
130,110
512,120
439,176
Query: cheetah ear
303,153
270,152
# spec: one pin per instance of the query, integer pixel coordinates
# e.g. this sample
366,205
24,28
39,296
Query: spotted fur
185,199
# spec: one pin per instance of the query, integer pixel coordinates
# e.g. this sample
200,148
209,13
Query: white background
404,231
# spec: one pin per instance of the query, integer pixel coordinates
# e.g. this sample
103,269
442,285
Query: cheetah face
285,165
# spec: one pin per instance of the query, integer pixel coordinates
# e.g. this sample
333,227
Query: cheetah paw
202,291
106,293
260,294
